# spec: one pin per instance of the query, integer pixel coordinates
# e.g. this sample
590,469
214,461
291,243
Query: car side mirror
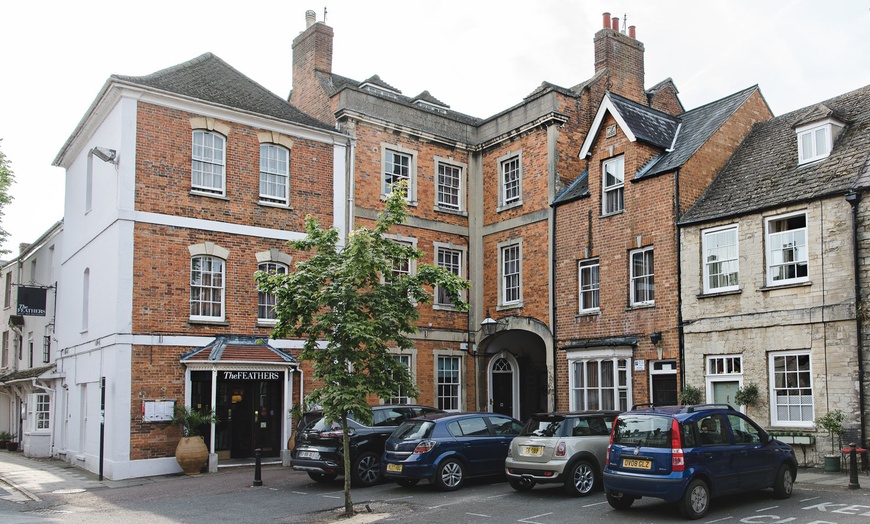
764,437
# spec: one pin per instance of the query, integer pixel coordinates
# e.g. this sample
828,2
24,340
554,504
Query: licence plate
637,464
395,468
308,455
534,451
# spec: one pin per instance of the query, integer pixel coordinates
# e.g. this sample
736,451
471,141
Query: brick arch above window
274,137
211,124
209,248
274,255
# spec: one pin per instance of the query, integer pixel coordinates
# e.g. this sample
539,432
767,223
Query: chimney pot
310,18
606,20
632,32
615,22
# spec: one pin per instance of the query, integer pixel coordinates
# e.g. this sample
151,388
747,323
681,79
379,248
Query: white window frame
399,397
441,247
201,302
267,300
776,258
805,403
635,279
591,269
454,384
387,151
503,277
515,180
412,263
580,395
41,415
274,175
712,245
217,165
616,188
809,136
459,188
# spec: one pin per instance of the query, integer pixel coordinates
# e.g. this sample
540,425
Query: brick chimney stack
312,53
622,56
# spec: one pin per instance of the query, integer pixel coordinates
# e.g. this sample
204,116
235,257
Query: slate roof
577,189
210,79
763,173
697,126
25,374
648,124
238,348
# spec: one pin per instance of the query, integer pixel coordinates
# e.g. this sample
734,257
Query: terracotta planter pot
191,454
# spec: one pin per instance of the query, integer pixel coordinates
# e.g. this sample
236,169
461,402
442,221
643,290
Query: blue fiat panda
689,454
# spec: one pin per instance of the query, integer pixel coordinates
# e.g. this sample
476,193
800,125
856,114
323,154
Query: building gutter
854,199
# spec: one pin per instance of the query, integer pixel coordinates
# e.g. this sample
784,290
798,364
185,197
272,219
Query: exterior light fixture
655,338
105,154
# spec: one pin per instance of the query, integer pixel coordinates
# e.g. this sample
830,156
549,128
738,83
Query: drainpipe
680,334
853,199
554,309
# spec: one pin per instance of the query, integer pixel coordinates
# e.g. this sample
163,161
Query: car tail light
510,450
561,449
678,462
612,433
425,446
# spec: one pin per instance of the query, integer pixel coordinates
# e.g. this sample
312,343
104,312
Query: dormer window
816,140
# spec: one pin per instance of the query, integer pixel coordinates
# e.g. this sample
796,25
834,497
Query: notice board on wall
157,410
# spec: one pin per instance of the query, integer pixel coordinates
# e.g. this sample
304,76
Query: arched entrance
518,370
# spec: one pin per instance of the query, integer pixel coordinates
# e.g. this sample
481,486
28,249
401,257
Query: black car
318,449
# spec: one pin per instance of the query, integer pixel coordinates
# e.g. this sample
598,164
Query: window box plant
191,452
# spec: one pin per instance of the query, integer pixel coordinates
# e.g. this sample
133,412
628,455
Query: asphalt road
291,497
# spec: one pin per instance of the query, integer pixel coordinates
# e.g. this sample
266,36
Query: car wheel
784,483
695,500
619,501
407,483
450,475
322,477
522,485
366,470
580,480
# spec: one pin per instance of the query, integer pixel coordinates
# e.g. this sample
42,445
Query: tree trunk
345,439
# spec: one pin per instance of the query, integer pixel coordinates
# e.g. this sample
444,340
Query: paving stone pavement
23,479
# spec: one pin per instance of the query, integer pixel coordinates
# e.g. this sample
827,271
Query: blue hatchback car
447,448
689,454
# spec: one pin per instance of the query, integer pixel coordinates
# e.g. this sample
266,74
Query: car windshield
542,426
643,430
413,429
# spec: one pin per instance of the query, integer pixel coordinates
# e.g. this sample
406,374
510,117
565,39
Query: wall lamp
105,154
655,338
489,326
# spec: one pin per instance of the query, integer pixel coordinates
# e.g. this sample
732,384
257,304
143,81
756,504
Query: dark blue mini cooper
689,454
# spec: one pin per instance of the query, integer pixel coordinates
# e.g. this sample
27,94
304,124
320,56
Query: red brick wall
163,174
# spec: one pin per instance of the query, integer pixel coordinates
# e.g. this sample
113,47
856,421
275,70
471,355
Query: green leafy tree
6,180
350,309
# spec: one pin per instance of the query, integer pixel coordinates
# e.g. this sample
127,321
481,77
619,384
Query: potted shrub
12,444
746,396
191,452
690,395
5,437
832,422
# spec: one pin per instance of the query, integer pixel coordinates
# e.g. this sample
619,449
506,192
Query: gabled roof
698,125
26,374
210,79
764,173
238,348
637,122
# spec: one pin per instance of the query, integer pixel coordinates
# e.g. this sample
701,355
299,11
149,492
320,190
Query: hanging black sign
31,301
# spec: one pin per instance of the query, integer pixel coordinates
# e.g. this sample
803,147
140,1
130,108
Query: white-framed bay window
791,388
721,261
41,414
599,379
